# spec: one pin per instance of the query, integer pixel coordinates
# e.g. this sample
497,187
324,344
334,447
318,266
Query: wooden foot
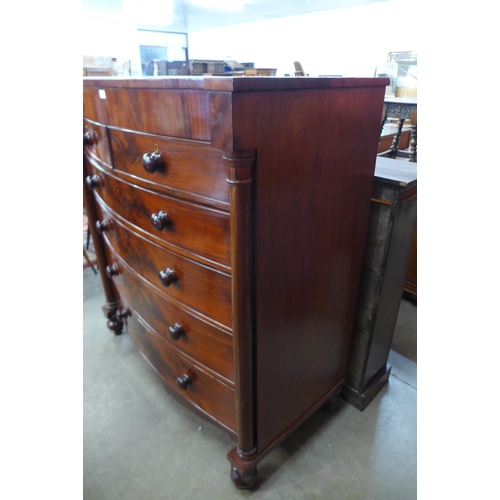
244,481
114,323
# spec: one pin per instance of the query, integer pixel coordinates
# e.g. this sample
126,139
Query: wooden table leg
395,142
413,143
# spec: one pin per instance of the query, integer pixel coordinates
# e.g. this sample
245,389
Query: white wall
113,35
348,42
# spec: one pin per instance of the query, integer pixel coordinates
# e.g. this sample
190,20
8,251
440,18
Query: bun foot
115,325
115,322
245,481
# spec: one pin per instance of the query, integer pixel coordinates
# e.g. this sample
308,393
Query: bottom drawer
205,392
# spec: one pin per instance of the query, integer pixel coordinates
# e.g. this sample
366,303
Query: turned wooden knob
153,162
90,138
102,226
168,276
160,220
123,313
183,381
92,182
112,270
176,331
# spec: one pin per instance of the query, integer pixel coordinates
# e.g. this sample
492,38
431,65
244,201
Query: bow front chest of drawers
229,218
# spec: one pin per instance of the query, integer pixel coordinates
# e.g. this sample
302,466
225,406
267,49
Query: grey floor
140,444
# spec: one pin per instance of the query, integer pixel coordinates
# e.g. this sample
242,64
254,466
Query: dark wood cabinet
230,216
393,217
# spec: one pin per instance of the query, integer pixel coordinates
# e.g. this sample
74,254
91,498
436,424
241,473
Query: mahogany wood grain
94,107
100,145
112,304
202,341
200,287
206,392
190,167
176,113
300,156
312,181
239,176
231,84
198,229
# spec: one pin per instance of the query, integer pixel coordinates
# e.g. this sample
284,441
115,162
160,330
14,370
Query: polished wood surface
202,231
190,167
199,287
96,138
206,392
178,113
308,256
268,263
190,332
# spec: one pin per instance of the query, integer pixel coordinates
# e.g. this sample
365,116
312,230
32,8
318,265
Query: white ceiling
187,16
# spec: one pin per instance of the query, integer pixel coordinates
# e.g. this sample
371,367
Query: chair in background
299,70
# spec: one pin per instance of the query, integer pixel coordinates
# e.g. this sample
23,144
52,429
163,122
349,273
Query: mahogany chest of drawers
229,218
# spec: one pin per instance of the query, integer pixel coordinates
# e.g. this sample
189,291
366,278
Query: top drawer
184,166
176,113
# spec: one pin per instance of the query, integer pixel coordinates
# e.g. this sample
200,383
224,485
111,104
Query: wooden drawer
187,167
174,112
98,137
200,287
198,339
200,230
204,391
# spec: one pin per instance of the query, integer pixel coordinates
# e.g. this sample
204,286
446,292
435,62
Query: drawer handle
123,313
112,270
153,162
176,331
92,182
183,381
160,220
168,276
90,138
102,226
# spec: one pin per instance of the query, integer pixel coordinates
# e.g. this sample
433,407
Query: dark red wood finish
200,287
200,340
202,231
206,392
191,168
300,156
311,213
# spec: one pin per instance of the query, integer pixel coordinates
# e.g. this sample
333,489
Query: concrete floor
140,444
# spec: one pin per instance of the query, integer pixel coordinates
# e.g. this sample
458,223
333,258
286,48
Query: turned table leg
413,143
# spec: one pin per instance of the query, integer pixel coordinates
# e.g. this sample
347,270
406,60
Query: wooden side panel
176,113
316,154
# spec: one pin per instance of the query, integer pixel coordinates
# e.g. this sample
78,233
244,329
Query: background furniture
411,276
401,108
232,236
391,229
